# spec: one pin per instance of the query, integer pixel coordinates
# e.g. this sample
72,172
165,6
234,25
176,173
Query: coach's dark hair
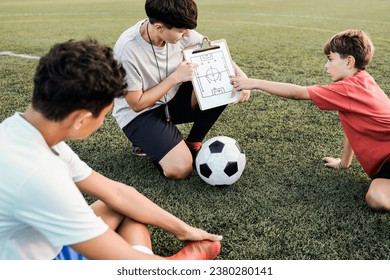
77,75
352,42
173,13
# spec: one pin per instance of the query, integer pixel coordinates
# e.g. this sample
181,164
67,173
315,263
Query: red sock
194,145
198,250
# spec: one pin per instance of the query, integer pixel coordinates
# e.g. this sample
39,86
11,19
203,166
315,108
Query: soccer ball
220,161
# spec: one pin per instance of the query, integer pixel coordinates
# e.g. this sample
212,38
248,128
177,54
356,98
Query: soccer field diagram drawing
212,74
211,79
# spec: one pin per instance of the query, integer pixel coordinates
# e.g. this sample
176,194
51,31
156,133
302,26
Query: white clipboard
211,79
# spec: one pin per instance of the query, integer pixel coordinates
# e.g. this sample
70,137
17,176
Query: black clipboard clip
205,46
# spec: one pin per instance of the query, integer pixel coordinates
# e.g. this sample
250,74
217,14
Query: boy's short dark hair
352,42
77,75
173,13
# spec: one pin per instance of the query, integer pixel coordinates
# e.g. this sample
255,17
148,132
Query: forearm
134,205
129,202
285,90
138,207
346,158
347,155
151,96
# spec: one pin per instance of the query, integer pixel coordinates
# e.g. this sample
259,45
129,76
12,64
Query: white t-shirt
137,57
41,208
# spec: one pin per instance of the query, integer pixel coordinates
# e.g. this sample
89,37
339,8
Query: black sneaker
135,150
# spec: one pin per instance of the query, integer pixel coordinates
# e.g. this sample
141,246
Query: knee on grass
377,201
178,172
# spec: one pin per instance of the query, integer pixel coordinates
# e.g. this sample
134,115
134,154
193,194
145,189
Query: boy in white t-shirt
42,208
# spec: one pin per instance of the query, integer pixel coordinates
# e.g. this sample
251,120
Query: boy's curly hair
77,75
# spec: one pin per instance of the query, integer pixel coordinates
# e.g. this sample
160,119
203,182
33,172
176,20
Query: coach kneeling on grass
42,180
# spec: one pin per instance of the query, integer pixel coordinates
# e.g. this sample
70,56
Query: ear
159,27
81,118
351,62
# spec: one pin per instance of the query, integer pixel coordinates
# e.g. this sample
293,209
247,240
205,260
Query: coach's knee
178,171
177,164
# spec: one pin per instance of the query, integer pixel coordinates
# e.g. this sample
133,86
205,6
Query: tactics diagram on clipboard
211,77
208,76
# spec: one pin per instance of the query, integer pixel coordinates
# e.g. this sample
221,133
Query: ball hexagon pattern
220,161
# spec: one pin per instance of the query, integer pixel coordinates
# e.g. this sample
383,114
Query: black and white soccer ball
220,161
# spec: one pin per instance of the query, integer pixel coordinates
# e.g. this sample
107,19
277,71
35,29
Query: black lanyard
166,109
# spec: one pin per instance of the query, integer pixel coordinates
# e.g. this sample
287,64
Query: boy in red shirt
364,109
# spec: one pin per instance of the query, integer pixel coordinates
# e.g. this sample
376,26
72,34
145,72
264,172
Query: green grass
286,205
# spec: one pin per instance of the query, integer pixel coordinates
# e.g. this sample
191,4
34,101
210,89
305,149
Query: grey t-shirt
136,56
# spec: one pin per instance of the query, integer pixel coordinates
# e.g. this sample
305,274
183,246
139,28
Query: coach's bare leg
177,163
378,195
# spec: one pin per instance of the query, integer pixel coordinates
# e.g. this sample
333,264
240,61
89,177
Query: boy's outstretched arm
129,202
285,90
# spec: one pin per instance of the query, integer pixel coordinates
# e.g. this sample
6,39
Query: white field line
70,14
8,53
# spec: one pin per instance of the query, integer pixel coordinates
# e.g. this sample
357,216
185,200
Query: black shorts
153,134
384,172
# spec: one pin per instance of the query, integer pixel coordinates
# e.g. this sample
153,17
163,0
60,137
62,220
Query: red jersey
364,111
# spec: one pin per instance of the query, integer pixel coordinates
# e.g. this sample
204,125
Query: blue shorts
67,253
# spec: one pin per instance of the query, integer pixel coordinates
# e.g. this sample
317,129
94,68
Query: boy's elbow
136,107
301,93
